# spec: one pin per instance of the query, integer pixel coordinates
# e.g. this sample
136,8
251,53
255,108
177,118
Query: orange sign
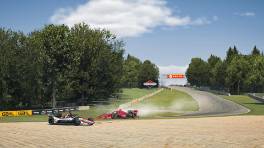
175,76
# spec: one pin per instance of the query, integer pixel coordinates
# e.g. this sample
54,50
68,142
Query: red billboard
175,76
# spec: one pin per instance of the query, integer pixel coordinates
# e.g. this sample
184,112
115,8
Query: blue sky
169,33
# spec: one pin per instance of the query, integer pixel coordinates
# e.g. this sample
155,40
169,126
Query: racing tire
130,114
115,116
51,121
91,119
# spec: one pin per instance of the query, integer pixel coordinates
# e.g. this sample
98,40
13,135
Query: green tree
212,61
237,72
99,62
255,51
218,74
61,63
231,53
255,78
57,56
148,71
131,71
4,60
198,72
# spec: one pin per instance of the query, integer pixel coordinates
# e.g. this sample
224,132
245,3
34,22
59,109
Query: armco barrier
256,97
55,110
15,113
218,92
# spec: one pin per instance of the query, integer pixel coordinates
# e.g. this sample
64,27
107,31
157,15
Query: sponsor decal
15,113
175,76
150,83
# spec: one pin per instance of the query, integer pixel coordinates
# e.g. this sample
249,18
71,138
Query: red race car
120,114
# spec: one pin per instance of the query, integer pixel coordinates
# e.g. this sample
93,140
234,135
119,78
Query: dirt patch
234,131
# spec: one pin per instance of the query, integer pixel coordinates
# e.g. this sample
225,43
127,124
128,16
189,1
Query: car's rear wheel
114,115
51,121
130,114
91,119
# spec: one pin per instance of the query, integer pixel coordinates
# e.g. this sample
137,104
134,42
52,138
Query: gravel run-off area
232,131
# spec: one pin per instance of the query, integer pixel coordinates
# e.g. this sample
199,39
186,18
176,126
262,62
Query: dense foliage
58,63
236,73
136,72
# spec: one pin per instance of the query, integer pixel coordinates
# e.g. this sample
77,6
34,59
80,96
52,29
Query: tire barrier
15,113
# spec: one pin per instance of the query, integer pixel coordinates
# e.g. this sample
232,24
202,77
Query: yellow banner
16,113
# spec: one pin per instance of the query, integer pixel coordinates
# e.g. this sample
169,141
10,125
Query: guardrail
55,110
252,95
37,111
218,92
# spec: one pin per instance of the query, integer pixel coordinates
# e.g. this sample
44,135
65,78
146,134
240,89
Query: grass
127,95
35,118
168,103
256,108
132,93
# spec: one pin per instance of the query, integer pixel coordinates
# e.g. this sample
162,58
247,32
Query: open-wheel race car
119,114
69,119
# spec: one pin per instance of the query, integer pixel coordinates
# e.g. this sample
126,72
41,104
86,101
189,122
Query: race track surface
211,132
212,105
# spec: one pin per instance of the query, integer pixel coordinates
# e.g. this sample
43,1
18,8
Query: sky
167,32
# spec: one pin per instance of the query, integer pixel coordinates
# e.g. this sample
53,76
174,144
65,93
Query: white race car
69,120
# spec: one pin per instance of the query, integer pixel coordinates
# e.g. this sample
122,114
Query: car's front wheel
115,115
51,120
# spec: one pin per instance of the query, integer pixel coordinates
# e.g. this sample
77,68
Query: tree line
61,63
138,72
236,73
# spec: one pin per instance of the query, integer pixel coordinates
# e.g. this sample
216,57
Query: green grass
132,93
256,108
35,118
171,102
127,95
168,103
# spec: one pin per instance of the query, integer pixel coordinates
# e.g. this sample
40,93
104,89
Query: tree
231,53
57,56
255,78
237,72
198,72
131,71
4,60
99,62
255,51
148,71
66,64
218,74
212,61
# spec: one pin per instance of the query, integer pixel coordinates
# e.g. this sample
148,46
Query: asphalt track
212,105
